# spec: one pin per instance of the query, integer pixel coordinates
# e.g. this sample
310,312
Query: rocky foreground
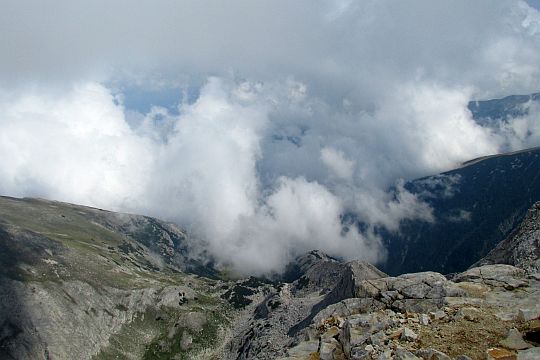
337,310
491,311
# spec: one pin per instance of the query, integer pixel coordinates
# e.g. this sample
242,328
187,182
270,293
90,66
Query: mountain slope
475,207
78,282
489,112
522,247
84,283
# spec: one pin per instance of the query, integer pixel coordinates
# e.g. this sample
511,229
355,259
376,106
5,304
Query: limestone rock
328,349
514,341
432,354
506,276
529,314
468,313
437,315
378,339
531,354
385,355
500,354
402,354
424,319
360,354
304,349
408,335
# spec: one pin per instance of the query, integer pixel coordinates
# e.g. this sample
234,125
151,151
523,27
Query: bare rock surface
522,247
387,317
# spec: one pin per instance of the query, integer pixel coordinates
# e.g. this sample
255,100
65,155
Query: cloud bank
303,112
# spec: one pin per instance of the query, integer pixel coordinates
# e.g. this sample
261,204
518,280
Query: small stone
438,315
505,316
305,347
514,341
396,334
186,341
432,354
328,349
424,319
531,354
385,355
468,313
500,354
408,335
369,348
534,325
402,354
355,336
330,333
378,338
359,354
528,314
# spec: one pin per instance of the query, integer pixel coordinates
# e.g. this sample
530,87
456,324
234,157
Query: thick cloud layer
304,111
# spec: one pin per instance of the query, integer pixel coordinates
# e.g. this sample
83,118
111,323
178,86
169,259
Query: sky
534,3
257,124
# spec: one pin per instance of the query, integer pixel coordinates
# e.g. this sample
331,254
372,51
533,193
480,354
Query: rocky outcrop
314,272
414,316
352,275
282,310
522,247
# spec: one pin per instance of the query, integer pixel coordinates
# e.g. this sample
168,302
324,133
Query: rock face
386,318
314,272
522,247
264,327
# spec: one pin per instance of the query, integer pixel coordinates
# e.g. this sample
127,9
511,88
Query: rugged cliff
475,207
522,247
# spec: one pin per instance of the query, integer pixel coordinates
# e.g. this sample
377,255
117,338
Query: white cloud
522,131
336,161
307,110
74,147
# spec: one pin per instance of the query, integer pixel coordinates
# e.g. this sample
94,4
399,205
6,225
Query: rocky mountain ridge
478,314
490,311
84,283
